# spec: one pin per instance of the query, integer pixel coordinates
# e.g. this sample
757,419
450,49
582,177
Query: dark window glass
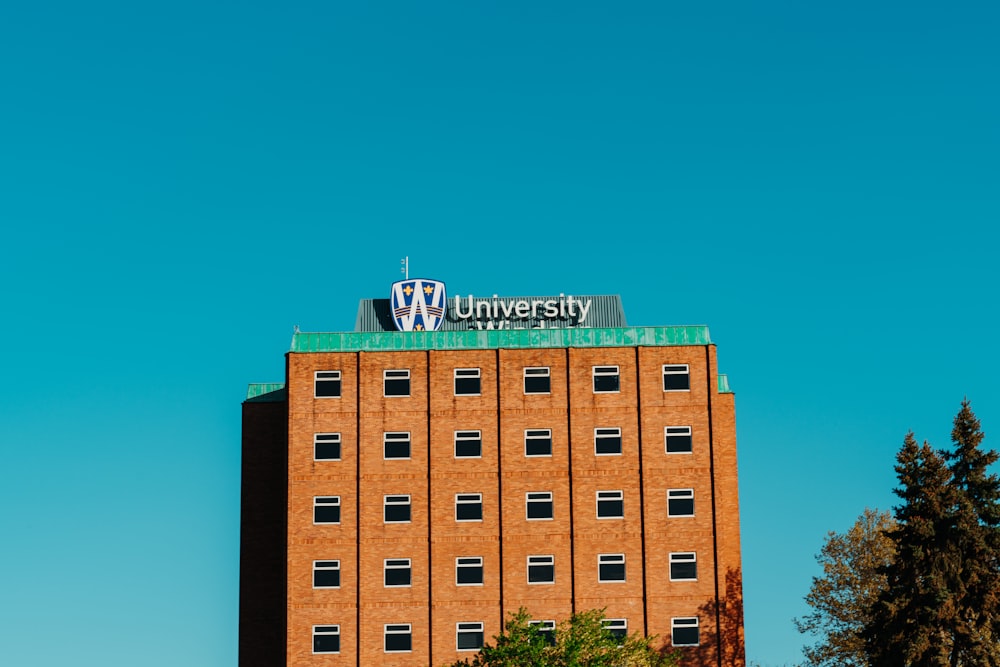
538,442
541,570
680,502
326,510
468,507
610,505
397,511
536,381
398,641
327,447
396,446
326,574
467,381
546,630
686,634
469,571
676,378
327,384
326,639
470,636
468,444
605,379
683,566
611,568
397,573
608,441
397,383
539,505
617,628
678,440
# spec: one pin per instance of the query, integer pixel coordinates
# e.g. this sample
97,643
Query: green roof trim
379,341
724,384
266,392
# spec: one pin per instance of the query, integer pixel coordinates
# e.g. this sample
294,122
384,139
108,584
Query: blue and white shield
418,304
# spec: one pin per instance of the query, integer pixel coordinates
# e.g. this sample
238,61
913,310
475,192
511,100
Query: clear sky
183,182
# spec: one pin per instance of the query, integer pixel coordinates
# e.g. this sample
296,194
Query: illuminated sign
418,304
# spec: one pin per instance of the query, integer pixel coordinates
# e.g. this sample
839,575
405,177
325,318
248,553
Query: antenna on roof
405,266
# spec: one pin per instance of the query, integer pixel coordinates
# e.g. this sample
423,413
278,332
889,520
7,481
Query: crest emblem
418,304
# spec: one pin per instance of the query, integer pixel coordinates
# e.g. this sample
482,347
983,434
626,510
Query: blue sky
181,183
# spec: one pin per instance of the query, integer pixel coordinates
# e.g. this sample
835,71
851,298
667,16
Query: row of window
538,505
469,635
469,444
537,380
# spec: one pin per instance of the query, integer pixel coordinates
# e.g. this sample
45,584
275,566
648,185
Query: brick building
404,491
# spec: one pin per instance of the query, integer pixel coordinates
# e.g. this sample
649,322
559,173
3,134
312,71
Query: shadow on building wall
722,644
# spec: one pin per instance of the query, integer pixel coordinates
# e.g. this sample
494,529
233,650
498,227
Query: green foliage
580,641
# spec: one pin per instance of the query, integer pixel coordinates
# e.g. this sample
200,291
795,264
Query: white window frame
397,374
539,499
387,502
680,494
684,622
537,434
332,501
678,430
466,435
616,495
683,557
327,438
541,560
467,373
473,563
608,432
396,629
675,369
605,371
396,437
326,565
319,376
619,624
469,627
536,371
332,629
469,499
397,564
611,559
547,629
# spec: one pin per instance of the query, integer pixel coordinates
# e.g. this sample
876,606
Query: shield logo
418,304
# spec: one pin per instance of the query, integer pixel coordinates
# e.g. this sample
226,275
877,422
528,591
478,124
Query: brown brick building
404,491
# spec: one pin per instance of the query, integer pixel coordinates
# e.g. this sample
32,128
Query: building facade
405,491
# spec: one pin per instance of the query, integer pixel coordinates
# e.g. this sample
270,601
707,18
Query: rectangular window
398,638
539,505
676,377
396,509
680,502
537,380
606,379
684,632
397,572
678,439
538,442
469,571
610,504
618,627
396,383
610,567
467,382
468,444
326,447
326,639
683,567
541,569
327,384
326,574
468,507
607,441
469,636
326,509
546,630
396,445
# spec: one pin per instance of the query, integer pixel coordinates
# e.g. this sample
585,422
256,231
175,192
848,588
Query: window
606,379
396,383
611,567
537,381
326,639
397,572
467,382
541,569
546,630
468,507
539,505
676,377
538,442
326,447
684,631
610,504
396,509
680,502
617,627
469,571
468,444
326,509
607,441
398,638
678,439
469,636
326,574
683,567
396,445
327,384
